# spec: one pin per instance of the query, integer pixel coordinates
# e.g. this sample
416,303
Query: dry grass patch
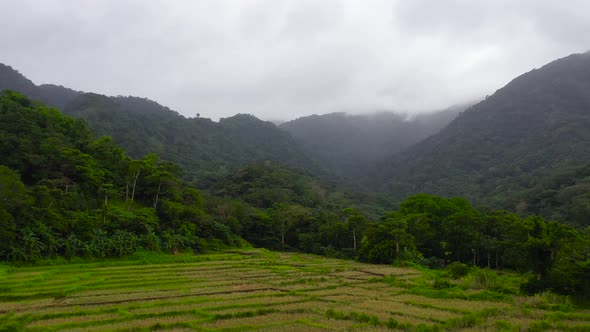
73,319
286,291
335,324
369,328
386,270
413,320
578,323
308,306
119,291
350,273
136,324
260,320
214,303
450,304
342,298
348,290
401,308
21,306
294,327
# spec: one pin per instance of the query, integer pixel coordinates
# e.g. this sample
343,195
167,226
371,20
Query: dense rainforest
125,174
525,148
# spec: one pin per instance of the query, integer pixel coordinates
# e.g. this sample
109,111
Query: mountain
526,148
11,79
53,95
200,146
501,151
350,144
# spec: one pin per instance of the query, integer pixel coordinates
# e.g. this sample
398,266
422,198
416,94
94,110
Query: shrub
532,286
440,283
484,279
503,325
431,262
457,270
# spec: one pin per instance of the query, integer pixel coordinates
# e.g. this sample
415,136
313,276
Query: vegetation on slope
498,151
202,147
436,231
64,193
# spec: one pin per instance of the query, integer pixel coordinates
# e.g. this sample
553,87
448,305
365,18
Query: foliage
525,148
457,270
62,193
440,283
452,231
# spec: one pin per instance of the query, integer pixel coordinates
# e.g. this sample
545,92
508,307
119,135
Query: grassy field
262,290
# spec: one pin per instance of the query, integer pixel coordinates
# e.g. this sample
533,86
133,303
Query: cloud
283,59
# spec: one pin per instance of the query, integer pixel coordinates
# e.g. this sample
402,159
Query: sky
280,60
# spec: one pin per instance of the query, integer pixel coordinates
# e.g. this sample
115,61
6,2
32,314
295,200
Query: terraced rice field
255,290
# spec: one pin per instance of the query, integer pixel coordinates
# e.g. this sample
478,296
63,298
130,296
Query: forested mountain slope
200,146
501,150
350,144
63,193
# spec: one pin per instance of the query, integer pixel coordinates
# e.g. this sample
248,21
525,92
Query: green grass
263,290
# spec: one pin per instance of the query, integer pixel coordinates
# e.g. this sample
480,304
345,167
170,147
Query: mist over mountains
337,146
348,145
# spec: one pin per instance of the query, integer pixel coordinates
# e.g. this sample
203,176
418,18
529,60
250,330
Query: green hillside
202,147
501,150
64,193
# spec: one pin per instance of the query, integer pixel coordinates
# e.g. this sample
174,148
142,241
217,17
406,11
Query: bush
432,262
457,270
484,279
533,286
441,283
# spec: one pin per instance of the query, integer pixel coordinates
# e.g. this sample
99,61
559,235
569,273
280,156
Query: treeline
279,209
436,231
63,193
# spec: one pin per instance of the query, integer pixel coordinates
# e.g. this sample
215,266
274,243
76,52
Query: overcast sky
284,59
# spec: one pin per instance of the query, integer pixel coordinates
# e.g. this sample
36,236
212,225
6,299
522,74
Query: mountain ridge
202,147
205,148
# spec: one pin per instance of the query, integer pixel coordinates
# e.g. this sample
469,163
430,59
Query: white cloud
282,59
